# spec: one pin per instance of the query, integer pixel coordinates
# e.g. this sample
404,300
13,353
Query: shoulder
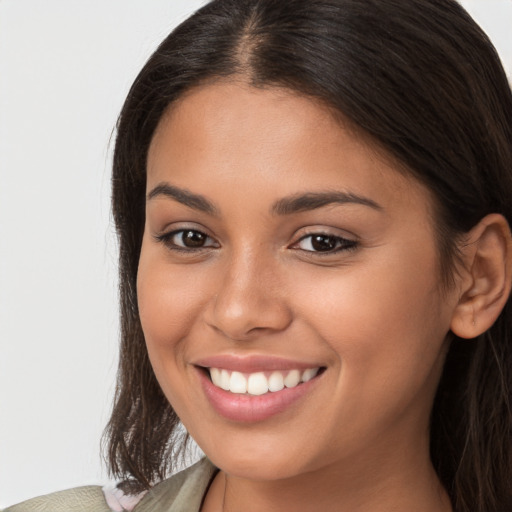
184,491
72,500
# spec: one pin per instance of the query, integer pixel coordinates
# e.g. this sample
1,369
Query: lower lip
250,408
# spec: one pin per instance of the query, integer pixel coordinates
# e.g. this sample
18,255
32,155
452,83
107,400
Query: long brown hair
425,83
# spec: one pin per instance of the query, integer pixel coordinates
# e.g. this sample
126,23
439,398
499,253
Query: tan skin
368,307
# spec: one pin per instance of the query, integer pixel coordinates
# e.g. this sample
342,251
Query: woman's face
280,247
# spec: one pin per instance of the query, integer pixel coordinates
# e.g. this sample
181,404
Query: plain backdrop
65,68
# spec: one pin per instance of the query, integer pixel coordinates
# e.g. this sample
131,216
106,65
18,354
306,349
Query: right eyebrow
185,197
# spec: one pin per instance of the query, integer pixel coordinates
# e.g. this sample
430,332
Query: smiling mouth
260,383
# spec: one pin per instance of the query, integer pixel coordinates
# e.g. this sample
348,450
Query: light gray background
65,68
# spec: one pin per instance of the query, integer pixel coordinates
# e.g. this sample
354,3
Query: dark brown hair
423,81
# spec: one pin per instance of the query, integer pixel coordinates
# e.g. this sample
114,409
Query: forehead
232,134
236,110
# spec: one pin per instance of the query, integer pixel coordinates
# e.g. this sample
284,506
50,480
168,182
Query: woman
313,201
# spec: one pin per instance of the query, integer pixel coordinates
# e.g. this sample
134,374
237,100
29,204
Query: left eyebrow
313,200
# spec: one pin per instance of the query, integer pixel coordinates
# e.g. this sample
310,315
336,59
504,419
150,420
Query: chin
257,460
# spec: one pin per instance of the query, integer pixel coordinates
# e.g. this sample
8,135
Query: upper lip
253,363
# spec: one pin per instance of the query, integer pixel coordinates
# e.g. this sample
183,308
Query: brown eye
192,239
187,240
323,243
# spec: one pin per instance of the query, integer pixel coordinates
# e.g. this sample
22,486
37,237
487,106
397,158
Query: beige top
183,492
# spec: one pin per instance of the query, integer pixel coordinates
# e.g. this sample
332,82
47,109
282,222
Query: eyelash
341,244
167,239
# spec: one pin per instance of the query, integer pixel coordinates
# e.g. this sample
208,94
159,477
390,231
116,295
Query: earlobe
485,278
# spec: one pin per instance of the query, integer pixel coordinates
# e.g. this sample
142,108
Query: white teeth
309,374
257,383
215,375
276,382
224,380
237,383
292,379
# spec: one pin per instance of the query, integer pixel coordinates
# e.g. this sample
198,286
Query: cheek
169,301
377,297
385,324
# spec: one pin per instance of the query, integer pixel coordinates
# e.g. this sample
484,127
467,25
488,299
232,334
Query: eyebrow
313,200
185,197
285,206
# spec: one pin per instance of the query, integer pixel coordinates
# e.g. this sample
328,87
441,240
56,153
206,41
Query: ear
485,277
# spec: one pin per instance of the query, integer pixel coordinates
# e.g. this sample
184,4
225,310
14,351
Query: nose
250,300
